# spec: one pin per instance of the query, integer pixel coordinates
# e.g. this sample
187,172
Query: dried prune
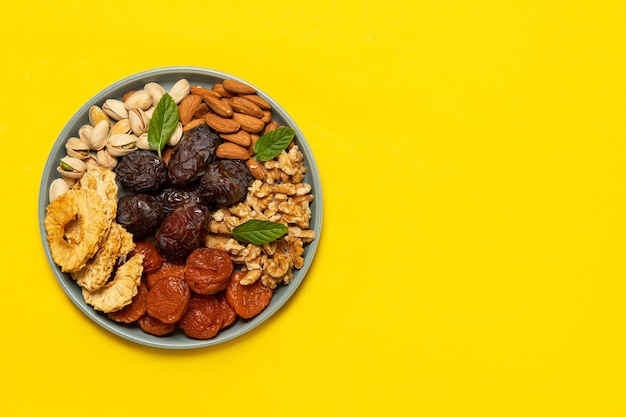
141,171
170,197
182,231
194,151
168,298
225,183
208,270
140,214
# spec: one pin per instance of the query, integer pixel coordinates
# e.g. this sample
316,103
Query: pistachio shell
84,132
138,121
179,90
57,188
156,91
149,111
91,162
71,167
142,142
99,135
138,100
176,135
121,126
121,144
116,109
77,148
96,114
104,159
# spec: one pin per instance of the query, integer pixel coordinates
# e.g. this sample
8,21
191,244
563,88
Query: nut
138,121
121,144
179,90
221,124
156,92
219,107
138,100
264,105
187,107
238,87
245,106
257,170
193,123
249,123
240,137
96,114
77,148
116,109
229,150
219,89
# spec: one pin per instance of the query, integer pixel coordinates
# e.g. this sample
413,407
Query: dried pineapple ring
75,224
118,293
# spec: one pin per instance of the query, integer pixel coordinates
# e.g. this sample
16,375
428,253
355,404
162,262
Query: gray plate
167,77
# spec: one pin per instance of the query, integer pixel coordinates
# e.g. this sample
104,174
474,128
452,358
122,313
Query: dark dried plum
141,171
192,154
225,183
182,231
170,197
140,214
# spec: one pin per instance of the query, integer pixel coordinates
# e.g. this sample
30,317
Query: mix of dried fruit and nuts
181,208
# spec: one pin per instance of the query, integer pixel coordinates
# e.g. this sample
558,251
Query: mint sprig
259,232
271,144
163,123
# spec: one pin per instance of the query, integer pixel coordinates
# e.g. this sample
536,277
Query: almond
272,125
187,107
249,123
258,101
240,137
237,87
219,89
267,116
221,124
193,123
229,150
257,170
245,106
218,106
203,91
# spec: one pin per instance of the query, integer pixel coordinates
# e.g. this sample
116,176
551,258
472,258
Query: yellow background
472,161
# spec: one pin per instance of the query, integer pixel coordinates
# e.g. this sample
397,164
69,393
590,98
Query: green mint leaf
271,144
259,232
163,123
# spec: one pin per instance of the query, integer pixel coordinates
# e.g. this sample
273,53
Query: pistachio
121,144
116,109
104,159
96,114
138,121
156,91
99,135
84,133
121,126
149,111
77,148
71,167
142,142
57,188
91,162
179,90
138,100
176,135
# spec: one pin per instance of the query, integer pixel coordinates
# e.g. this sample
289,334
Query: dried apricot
155,326
229,315
168,299
167,269
247,300
152,260
134,310
208,270
203,318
